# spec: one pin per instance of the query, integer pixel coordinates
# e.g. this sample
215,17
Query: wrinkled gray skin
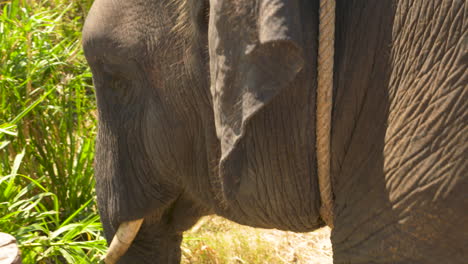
399,128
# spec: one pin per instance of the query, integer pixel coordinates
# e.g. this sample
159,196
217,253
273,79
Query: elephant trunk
122,240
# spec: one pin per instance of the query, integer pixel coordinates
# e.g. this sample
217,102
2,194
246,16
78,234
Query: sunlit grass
215,240
47,134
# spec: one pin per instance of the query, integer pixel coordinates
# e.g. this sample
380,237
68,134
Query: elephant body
209,107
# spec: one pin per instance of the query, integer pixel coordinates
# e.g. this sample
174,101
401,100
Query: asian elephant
208,107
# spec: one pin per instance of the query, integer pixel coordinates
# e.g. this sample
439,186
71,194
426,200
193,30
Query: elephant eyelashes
202,17
206,12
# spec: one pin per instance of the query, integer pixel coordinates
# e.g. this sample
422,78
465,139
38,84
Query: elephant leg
160,236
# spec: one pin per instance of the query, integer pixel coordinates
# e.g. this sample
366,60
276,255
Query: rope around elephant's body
324,106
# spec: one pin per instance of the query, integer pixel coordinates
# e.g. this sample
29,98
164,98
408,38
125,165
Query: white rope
324,106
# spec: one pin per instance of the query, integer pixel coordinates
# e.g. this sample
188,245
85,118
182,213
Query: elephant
208,107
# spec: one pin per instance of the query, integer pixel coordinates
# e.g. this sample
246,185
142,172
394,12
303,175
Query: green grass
47,131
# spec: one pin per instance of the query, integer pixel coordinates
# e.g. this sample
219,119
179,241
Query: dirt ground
216,240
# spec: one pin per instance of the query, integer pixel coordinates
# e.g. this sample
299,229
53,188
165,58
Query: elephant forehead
123,30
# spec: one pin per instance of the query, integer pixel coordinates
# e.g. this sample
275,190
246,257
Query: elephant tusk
122,240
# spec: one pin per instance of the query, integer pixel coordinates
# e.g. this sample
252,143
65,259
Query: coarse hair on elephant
208,107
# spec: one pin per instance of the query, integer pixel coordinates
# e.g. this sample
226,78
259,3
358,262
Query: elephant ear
255,53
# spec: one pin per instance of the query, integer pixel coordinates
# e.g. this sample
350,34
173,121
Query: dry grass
215,240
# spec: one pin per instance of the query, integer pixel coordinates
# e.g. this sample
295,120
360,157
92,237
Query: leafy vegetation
47,131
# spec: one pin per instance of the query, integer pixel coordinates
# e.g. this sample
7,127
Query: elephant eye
114,82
